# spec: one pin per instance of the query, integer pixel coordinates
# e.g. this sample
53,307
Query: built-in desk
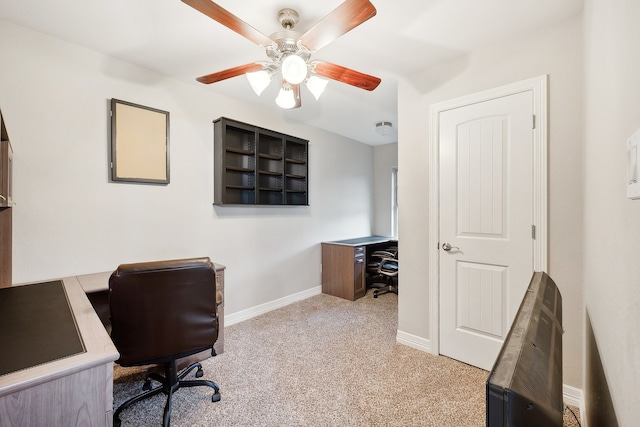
344,264
75,389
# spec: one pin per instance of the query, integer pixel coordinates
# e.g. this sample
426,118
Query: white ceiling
404,37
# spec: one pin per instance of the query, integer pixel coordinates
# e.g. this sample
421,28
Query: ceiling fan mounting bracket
288,18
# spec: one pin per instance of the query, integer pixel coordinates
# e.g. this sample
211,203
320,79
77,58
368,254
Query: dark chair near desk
382,271
375,258
162,311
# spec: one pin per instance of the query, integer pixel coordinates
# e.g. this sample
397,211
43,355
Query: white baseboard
413,341
239,316
573,396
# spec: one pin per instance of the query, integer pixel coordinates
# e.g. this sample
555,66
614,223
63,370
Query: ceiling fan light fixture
294,69
259,80
286,98
316,86
289,52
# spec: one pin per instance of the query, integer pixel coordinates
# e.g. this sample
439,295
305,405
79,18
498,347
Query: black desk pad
36,326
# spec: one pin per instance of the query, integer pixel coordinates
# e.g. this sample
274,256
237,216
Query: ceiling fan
289,52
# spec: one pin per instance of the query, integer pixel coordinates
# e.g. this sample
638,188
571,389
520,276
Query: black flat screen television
524,388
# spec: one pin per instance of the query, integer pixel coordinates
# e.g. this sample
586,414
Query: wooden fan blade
341,20
228,73
229,20
346,75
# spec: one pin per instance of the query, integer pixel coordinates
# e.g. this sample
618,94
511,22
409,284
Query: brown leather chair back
163,310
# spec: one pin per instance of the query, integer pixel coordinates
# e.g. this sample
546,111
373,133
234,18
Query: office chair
374,260
377,274
162,311
387,274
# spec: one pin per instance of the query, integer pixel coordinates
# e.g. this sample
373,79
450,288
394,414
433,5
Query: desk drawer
343,269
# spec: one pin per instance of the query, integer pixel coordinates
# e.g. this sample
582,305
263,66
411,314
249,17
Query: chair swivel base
168,385
384,290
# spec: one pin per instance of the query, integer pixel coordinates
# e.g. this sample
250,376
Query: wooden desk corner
75,390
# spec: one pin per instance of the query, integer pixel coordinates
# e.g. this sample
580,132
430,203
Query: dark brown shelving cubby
296,172
256,166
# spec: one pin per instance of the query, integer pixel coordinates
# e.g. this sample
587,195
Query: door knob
447,247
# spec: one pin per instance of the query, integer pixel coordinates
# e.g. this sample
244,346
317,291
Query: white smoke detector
383,128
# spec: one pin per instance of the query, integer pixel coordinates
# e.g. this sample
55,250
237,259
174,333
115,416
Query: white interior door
486,222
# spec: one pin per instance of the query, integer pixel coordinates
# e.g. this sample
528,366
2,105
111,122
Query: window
394,202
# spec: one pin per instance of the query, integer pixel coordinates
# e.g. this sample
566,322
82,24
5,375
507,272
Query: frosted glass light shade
316,86
285,98
383,128
259,80
294,69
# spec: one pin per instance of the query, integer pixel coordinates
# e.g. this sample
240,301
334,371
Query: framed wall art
139,143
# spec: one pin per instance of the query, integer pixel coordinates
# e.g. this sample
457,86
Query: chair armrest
389,271
382,254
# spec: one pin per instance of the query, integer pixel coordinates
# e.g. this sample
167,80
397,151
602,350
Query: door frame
538,86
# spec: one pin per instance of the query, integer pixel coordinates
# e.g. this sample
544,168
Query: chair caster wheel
216,397
147,385
375,295
199,373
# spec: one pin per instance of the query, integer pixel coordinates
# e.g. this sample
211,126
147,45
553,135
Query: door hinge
533,121
533,232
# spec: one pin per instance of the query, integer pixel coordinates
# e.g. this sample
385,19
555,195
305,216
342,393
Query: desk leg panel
343,271
84,398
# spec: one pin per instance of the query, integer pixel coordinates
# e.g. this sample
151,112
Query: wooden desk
344,265
76,390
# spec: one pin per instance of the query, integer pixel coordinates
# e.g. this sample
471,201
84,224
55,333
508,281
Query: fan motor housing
287,39
287,44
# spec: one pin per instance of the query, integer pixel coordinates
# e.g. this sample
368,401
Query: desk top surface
27,313
367,240
99,348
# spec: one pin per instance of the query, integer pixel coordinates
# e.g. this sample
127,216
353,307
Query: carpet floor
323,361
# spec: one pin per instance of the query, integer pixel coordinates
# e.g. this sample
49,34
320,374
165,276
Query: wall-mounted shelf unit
256,166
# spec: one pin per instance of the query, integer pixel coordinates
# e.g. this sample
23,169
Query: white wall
556,51
385,158
612,222
69,219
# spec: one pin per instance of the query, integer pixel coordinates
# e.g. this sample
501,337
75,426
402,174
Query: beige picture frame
139,143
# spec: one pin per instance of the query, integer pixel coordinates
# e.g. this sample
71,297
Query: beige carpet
323,361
